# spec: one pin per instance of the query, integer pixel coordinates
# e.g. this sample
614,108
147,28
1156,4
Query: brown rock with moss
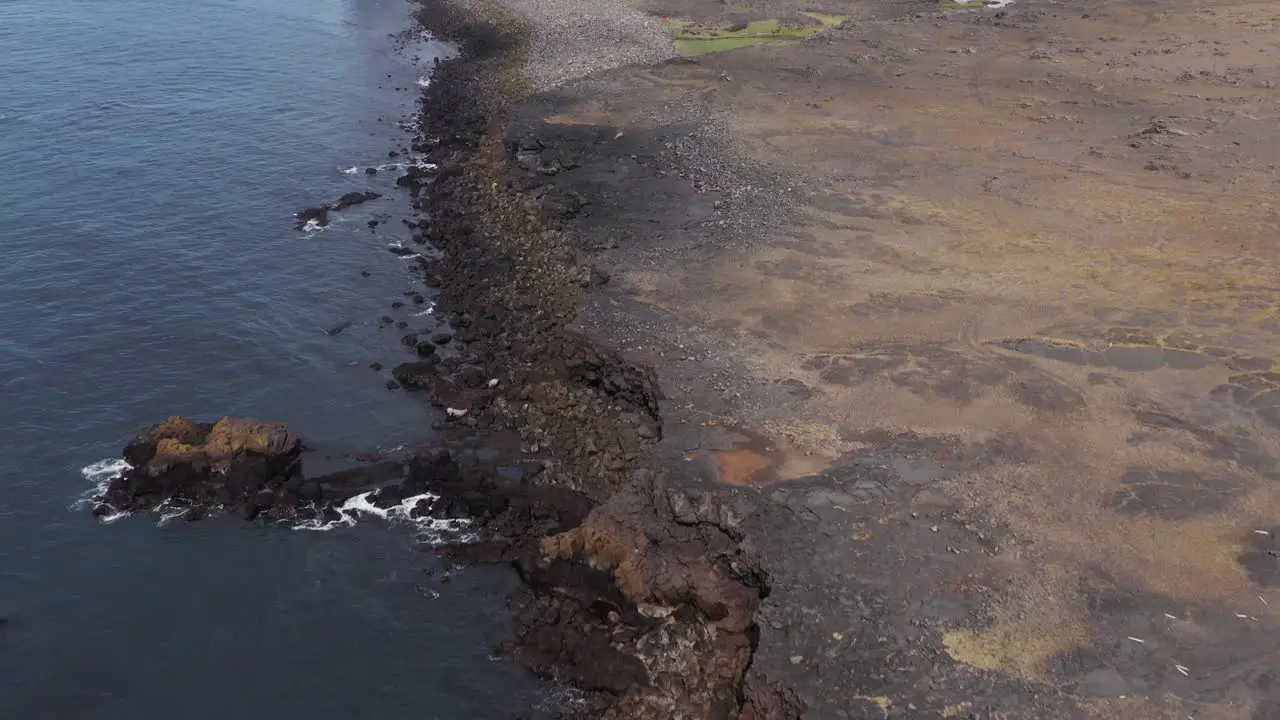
201,465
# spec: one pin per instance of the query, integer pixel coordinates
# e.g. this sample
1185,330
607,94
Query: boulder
417,375
354,198
445,392
416,175
613,375
320,214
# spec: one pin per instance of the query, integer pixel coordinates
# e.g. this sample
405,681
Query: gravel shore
571,39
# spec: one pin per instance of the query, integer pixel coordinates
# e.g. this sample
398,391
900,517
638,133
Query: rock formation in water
231,462
249,466
320,213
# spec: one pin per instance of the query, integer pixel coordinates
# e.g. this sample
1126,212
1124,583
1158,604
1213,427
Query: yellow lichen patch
579,119
1155,264
880,701
1070,517
1163,553
1045,620
693,38
1017,648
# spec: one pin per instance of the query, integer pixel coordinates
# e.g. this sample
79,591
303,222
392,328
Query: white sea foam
101,474
415,160
430,530
397,245
169,513
424,81
559,699
427,311
104,471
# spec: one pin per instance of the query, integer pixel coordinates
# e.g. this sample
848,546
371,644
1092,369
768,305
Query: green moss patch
693,38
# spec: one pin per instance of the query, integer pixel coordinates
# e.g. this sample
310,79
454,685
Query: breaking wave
100,474
429,529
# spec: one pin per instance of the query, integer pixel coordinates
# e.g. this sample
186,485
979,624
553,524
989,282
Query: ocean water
152,153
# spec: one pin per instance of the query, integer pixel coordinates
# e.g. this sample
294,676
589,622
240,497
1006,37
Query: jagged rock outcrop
202,465
608,372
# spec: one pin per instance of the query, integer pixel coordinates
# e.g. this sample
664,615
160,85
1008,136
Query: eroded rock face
609,373
681,602
646,603
201,465
656,562
763,701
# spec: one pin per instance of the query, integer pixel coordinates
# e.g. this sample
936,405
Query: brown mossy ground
1005,334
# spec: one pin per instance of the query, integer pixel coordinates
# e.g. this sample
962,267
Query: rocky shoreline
647,603
928,450
645,596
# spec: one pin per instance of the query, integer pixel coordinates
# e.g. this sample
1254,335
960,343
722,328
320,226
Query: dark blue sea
152,153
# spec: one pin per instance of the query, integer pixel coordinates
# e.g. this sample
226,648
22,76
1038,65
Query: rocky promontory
646,601
233,462
254,468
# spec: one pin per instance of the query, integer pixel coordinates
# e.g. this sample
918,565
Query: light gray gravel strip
570,39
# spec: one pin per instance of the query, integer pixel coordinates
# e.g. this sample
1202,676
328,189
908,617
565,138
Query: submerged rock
416,175
418,375
444,392
318,214
354,198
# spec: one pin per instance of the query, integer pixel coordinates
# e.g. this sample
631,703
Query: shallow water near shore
155,153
